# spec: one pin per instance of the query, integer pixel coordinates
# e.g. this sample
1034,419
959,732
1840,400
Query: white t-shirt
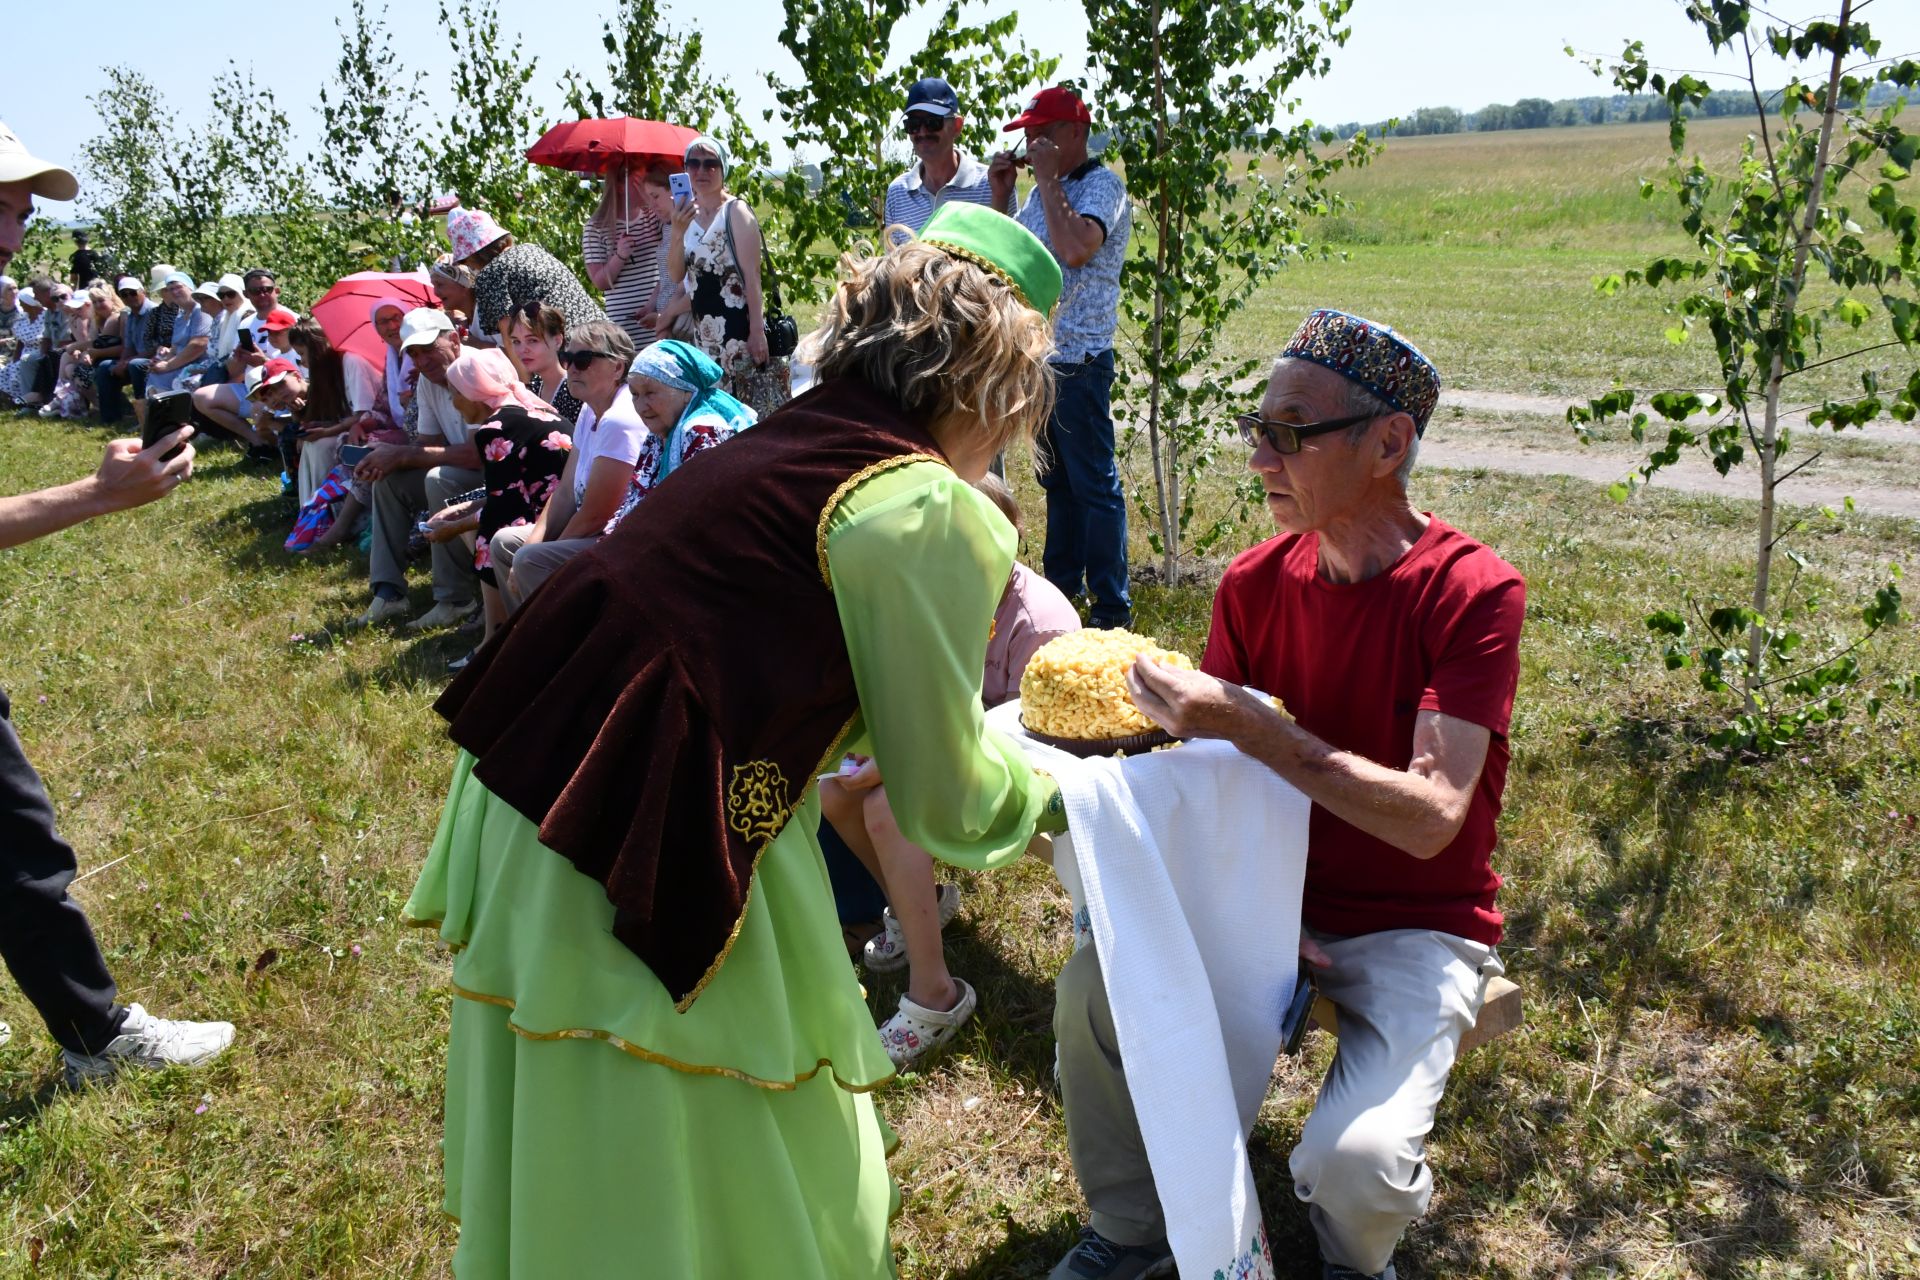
619,436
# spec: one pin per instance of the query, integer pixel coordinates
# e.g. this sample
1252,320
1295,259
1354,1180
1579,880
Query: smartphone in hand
166,413
680,186
354,454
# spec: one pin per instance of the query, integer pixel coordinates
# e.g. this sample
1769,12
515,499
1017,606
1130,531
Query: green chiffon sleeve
918,561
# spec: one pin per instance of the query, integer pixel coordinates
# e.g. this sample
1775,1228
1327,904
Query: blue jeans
106,385
1086,509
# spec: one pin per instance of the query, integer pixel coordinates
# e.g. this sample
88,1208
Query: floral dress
13,376
521,458
720,321
695,437
563,401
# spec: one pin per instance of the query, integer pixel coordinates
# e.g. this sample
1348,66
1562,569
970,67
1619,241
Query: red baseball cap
1049,105
274,370
278,320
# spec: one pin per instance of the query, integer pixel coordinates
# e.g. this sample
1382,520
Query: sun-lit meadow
1720,1071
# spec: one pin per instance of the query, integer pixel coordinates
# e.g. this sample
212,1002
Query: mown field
1483,249
1720,1071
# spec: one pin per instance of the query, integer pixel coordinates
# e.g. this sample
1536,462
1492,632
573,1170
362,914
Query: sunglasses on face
916,125
228,293
1285,437
261,288
129,293
698,163
581,361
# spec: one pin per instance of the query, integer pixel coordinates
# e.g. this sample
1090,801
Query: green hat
1001,245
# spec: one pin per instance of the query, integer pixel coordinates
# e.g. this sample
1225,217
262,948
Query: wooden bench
1500,1013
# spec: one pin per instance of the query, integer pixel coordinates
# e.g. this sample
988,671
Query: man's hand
130,476
1191,704
1043,157
1002,172
381,463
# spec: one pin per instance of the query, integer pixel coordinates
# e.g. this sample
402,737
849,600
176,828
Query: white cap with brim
207,289
255,372
128,282
43,177
422,325
8,282
232,283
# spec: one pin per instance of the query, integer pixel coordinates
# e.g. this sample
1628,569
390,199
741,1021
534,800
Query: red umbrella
345,312
601,146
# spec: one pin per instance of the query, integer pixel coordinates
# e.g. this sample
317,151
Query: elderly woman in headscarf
508,275
676,388
453,286
715,248
660,1062
523,442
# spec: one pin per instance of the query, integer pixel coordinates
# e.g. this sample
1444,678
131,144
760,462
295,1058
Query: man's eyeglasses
581,361
697,163
1285,437
915,125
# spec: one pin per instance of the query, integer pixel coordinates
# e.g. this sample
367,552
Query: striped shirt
910,203
632,291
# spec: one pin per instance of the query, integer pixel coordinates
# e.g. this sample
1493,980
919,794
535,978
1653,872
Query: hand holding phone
351,454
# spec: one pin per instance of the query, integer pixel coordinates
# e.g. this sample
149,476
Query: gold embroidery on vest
757,800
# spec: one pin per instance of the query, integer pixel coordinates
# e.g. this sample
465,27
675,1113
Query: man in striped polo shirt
941,171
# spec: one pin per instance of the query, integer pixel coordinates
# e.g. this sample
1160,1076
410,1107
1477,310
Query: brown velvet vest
660,706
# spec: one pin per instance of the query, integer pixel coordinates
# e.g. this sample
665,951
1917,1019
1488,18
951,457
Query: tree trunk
1166,473
1776,370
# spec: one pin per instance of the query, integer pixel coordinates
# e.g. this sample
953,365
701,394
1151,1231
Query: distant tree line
1538,113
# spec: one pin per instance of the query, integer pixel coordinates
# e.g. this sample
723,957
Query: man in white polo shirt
941,170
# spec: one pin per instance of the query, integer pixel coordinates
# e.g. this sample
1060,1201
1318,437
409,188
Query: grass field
1718,1075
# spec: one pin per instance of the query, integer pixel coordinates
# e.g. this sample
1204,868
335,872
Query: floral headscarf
400,371
674,364
485,376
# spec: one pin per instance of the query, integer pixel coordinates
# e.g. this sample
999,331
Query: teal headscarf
676,364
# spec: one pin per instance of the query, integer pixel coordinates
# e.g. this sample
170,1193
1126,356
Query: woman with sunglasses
607,439
535,334
660,1063
715,248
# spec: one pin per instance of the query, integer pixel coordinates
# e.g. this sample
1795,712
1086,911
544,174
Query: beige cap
44,178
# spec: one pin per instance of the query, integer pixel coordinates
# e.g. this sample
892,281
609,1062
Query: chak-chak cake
1075,688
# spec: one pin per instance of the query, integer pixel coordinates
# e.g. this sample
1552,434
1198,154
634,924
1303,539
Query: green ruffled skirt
593,1131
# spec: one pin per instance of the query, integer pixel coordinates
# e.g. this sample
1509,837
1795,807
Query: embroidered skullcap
1372,355
1000,245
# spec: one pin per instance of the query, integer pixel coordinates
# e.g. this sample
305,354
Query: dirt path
1452,446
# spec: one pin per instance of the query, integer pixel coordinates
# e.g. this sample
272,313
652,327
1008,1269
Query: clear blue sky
1403,54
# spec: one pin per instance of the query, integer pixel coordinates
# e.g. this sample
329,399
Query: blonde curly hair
947,339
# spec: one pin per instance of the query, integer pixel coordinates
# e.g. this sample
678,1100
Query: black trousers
44,935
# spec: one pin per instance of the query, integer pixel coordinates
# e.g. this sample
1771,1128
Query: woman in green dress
660,1063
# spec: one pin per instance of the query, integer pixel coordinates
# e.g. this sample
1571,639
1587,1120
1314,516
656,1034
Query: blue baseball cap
933,96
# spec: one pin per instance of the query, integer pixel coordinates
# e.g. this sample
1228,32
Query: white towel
1189,865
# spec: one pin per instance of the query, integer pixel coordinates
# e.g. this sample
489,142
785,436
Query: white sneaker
442,615
381,610
147,1041
886,951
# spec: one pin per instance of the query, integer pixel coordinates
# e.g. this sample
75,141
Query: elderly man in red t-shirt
1393,641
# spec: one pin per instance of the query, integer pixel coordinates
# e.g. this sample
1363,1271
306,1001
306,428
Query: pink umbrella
345,312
